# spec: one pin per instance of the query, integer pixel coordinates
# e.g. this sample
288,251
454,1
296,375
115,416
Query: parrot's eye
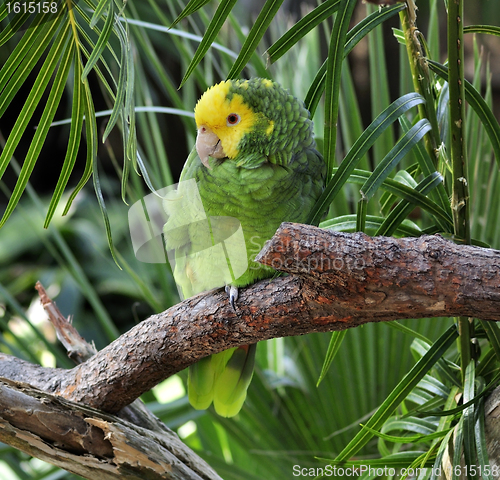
233,119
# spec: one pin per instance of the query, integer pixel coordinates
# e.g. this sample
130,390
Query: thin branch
77,347
420,76
340,281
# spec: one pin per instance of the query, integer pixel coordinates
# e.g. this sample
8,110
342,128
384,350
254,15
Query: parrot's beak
208,144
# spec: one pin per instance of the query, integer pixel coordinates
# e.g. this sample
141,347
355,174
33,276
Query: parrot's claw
233,293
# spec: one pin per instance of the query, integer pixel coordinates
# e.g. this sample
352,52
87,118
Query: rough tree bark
338,281
90,443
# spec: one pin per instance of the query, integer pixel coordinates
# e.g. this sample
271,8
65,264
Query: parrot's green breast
261,199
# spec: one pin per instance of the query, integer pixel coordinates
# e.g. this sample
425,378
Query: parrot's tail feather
231,385
202,377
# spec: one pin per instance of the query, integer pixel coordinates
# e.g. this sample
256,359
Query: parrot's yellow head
224,116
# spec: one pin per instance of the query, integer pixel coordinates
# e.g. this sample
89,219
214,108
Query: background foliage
99,81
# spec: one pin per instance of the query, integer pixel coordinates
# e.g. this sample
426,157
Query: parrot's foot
232,291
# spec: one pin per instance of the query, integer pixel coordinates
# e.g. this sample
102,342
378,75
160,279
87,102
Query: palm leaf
482,110
301,28
189,9
390,161
213,29
399,393
77,115
333,348
333,79
58,49
103,37
256,33
359,149
358,32
91,137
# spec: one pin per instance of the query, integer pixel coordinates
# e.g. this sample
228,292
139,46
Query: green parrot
254,166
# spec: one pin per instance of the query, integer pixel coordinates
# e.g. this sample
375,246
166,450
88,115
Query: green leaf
122,87
426,164
388,200
333,80
390,161
77,113
103,39
407,330
399,36
369,23
488,364
16,23
447,370
101,7
379,86
333,348
413,439
423,426
437,467
359,149
360,177
461,408
255,35
104,212
400,392
476,101
456,460
347,223
257,63
91,137
431,405
58,50
189,9
22,61
434,386
361,215
87,39
421,397
399,213
489,29
301,28
213,29
468,418
493,333
353,37
395,460
481,447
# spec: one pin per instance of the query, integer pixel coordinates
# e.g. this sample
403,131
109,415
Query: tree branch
340,281
86,442
90,443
